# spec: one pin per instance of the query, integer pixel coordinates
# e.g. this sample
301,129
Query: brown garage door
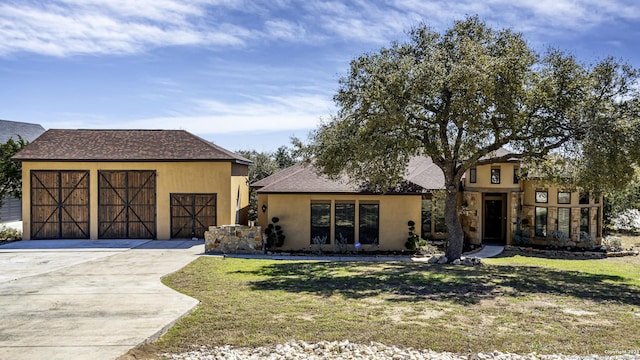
127,204
59,204
192,214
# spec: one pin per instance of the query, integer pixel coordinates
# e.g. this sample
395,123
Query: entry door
493,221
192,214
127,204
59,204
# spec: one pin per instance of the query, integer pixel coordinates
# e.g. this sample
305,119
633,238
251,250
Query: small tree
461,95
10,171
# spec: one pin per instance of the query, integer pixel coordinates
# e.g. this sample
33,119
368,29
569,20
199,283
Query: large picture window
320,222
345,219
369,223
541,221
564,221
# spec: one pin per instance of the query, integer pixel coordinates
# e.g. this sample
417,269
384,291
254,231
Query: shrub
9,234
275,236
521,237
414,241
628,221
612,243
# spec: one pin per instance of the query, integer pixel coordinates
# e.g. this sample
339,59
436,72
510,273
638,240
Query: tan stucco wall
294,212
483,178
171,177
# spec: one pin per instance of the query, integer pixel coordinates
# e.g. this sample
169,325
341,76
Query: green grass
515,304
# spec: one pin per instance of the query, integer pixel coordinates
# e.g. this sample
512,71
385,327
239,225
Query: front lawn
514,304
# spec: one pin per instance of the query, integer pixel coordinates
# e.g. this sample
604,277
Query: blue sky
244,74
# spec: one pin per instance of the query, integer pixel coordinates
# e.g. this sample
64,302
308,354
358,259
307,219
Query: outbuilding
131,184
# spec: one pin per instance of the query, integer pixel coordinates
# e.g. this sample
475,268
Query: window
584,220
541,221
440,225
564,197
564,221
495,175
542,197
516,175
369,223
426,217
321,222
345,222
584,197
473,175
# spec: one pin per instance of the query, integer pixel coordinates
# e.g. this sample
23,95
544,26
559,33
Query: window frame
362,226
585,228
351,236
516,178
473,175
564,192
544,226
546,194
312,233
495,171
568,225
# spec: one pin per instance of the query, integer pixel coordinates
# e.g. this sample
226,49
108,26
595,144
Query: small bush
628,221
414,241
612,243
275,236
521,237
9,234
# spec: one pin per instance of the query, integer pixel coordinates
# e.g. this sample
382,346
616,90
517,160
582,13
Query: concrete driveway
88,299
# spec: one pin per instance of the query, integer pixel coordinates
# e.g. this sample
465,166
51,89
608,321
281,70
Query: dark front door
493,221
192,214
127,204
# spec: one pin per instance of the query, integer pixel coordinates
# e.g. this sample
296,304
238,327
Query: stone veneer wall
233,239
470,217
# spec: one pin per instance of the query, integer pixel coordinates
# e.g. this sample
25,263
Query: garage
59,204
129,184
192,214
127,204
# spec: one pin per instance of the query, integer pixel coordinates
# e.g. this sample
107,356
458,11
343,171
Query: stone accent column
233,239
470,217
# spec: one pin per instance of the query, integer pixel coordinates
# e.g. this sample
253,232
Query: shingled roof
124,145
13,129
301,178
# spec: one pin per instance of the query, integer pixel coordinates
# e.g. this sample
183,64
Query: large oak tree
460,95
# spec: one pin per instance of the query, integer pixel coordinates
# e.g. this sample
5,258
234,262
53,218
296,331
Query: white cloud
272,113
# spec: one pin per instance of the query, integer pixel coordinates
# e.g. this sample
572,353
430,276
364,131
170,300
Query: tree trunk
455,236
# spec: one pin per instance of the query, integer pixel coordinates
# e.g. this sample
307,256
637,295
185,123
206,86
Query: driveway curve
97,299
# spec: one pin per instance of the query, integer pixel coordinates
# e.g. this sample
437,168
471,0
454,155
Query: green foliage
414,242
275,235
460,95
264,164
9,234
521,237
10,171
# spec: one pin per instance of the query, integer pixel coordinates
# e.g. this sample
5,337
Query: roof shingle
299,178
13,129
124,145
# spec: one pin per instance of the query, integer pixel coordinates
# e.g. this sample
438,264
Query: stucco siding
294,212
171,177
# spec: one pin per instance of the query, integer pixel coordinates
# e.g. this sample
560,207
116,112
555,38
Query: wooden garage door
59,204
192,214
127,204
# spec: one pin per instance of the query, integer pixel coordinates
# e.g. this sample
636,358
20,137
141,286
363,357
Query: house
146,184
11,209
496,207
